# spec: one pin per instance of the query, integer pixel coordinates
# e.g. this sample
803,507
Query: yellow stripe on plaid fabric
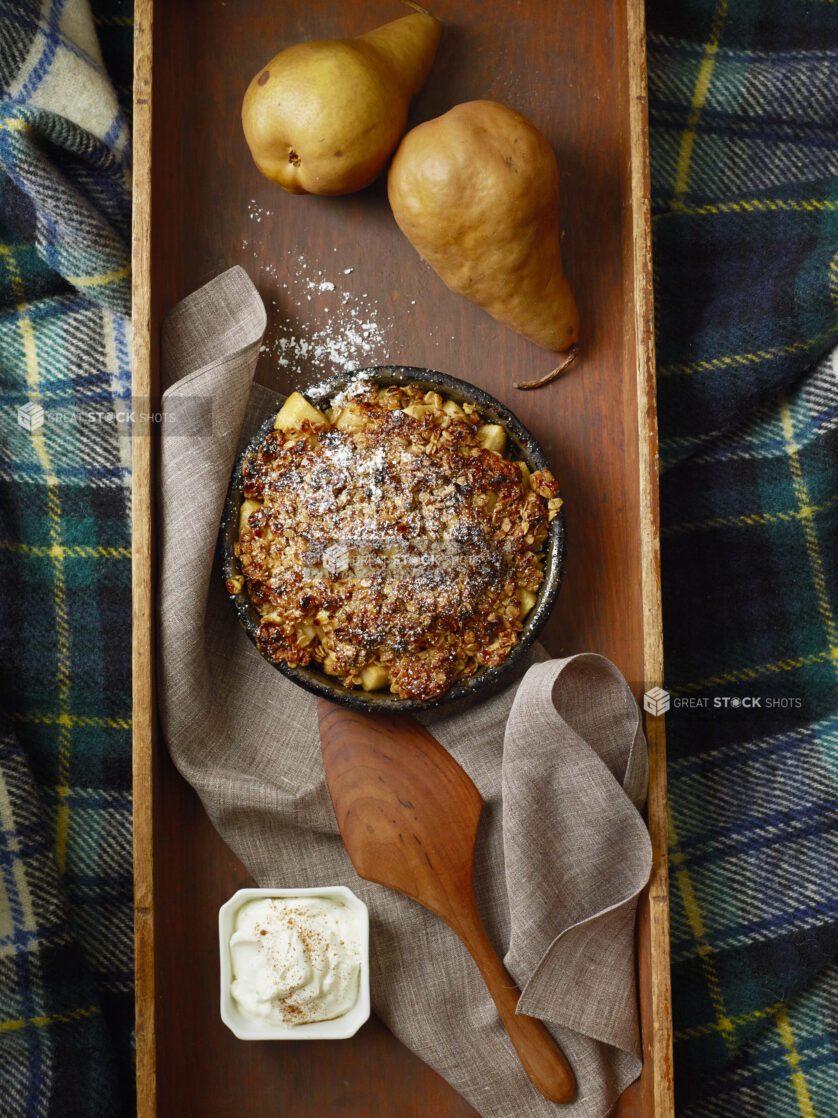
51,1019
62,630
813,548
749,519
13,124
60,551
798,1079
705,73
724,1023
715,1026
742,674
749,358
833,278
36,718
763,205
98,281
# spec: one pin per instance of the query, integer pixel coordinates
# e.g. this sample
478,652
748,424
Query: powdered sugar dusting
353,334
323,319
357,387
391,539
318,326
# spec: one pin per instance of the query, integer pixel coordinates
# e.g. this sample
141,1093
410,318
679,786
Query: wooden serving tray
200,206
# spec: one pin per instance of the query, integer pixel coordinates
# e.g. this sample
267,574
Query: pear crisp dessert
389,541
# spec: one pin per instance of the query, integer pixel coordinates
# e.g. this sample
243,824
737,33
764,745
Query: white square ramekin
339,1028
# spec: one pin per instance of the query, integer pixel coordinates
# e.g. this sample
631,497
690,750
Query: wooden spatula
408,815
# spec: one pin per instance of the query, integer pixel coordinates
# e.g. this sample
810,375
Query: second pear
475,191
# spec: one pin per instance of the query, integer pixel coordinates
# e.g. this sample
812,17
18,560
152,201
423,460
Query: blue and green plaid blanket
744,130
66,1012
744,127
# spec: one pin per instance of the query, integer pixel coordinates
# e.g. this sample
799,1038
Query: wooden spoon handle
542,1059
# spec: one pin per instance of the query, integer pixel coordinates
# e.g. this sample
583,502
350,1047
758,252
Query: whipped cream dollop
295,959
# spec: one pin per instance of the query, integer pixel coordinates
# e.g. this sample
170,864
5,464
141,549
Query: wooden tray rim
656,1010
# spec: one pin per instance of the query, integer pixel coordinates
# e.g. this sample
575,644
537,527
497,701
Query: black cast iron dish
522,445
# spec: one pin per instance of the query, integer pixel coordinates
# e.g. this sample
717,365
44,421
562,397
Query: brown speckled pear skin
323,117
475,191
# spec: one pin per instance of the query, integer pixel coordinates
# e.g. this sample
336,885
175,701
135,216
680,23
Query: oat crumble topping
386,541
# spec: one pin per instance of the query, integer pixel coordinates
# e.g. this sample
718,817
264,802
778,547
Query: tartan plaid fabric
744,128
66,1008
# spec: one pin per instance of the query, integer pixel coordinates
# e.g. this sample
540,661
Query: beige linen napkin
559,759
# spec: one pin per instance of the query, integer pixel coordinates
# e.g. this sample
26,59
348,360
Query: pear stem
569,358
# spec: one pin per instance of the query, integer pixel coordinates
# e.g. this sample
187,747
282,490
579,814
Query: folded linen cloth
559,759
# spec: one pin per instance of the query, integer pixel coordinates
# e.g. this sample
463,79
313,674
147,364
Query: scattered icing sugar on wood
353,335
321,321
316,326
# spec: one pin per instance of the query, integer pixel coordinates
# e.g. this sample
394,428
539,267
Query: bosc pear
324,117
475,191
